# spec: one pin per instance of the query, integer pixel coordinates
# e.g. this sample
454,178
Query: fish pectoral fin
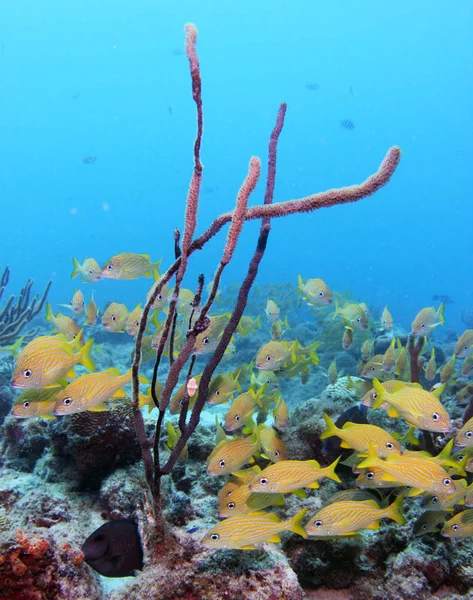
98,408
374,525
392,412
300,493
274,539
415,492
345,445
70,374
314,485
119,393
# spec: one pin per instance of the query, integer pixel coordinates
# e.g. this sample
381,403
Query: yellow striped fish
91,312
427,319
372,479
416,406
464,345
430,368
359,437
370,397
222,388
246,531
115,317
446,501
242,409
464,436
129,266
46,359
176,401
280,414
448,370
290,475
35,403
90,392
242,500
63,324
374,367
133,320
467,366
273,446
349,516
421,474
78,303
314,291
460,526
231,455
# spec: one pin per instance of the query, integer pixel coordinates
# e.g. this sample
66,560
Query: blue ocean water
110,79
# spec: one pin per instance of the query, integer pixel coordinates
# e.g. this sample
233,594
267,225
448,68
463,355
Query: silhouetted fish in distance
114,549
347,124
89,159
331,446
312,86
442,298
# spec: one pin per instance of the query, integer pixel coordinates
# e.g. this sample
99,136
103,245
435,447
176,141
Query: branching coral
189,418
15,315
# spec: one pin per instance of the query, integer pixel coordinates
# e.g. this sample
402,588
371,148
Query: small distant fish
350,89
245,531
89,159
448,370
46,359
78,303
314,291
129,266
280,414
389,358
75,96
63,324
347,338
312,86
279,328
386,319
332,372
430,521
465,395
442,298
431,367
353,314
272,311
133,320
464,345
427,319
467,366
115,317
170,110
91,312
347,124
273,446
173,438
114,549
222,388
89,270
161,298
248,325
367,350
349,516
291,475
13,349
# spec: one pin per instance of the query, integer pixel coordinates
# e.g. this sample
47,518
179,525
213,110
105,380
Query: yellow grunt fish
280,414
464,436
353,314
431,367
133,320
161,298
90,392
115,317
467,366
314,291
248,325
273,355
421,474
465,394
349,516
239,499
222,388
129,266
272,311
78,303
290,475
464,345
273,446
208,340
359,437
389,358
268,379
367,350
374,367
371,395
242,409
245,531
387,321
63,324
372,479
448,370
460,526
91,312
89,270
176,401
231,455
430,522
173,438
446,501
403,367
427,319
279,328
46,359
35,403
347,338
416,406
185,304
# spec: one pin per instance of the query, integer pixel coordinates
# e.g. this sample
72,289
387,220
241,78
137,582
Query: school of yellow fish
250,450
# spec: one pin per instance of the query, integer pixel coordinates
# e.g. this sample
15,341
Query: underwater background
97,125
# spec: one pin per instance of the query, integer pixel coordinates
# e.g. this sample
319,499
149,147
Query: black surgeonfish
114,549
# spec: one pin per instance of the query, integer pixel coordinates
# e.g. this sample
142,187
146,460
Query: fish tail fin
49,312
76,269
330,471
395,511
258,321
312,350
15,348
371,461
331,430
440,313
300,284
295,524
337,310
155,268
84,355
144,400
381,394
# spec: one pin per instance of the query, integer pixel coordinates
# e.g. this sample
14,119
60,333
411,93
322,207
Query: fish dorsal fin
369,502
269,516
313,463
112,371
439,391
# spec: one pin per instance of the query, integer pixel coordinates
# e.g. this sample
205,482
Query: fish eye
231,505
422,325
263,480
318,523
268,380
91,271
447,481
321,294
114,318
369,475
455,527
424,526
160,297
268,357
221,464
27,373
205,341
67,401
374,396
215,536
237,417
389,445
434,500
435,416
110,267
217,392
460,458
468,434
26,404
276,453
465,347
137,323
358,320
372,369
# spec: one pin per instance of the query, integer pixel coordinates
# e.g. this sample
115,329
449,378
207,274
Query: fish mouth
16,384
